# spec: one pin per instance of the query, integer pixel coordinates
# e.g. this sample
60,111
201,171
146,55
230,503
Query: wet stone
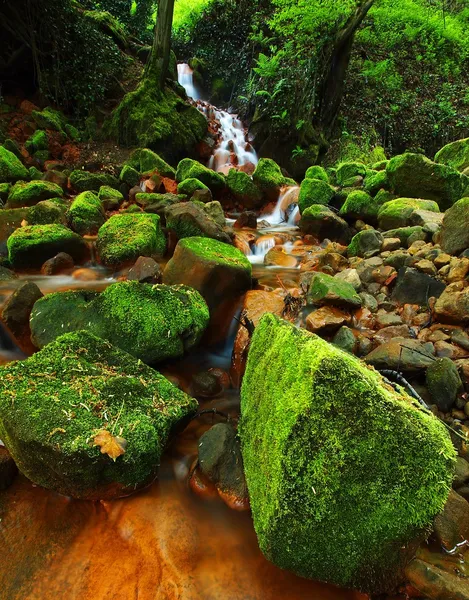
8,469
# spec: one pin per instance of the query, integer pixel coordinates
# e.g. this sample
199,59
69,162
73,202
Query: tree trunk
332,88
159,59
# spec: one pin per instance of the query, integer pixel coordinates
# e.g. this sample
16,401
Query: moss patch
188,169
314,191
397,213
84,181
145,160
86,214
190,185
30,193
11,168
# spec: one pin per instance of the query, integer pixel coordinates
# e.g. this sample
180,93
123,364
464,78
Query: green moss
109,197
124,238
83,385
360,205
49,119
404,233
415,176
365,243
109,25
73,133
35,174
344,473
47,212
84,181
454,236
145,160
190,185
148,199
4,191
86,214
314,191
375,182
349,170
188,219
217,252
129,176
30,193
243,188
380,165
317,172
13,147
41,156
325,289
38,141
397,213
132,209
11,168
455,155
152,323
188,169
30,247
268,176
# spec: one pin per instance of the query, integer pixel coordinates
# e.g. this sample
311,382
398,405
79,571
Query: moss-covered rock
455,155
443,382
86,214
152,323
322,222
243,189
29,247
4,191
348,171
110,198
454,237
123,238
325,289
398,213
84,181
269,178
317,172
30,193
129,176
151,199
188,169
314,191
47,212
11,168
405,233
360,205
365,243
190,185
376,181
87,391
218,271
187,219
333,498
415,176
145,160
13,147
215,211
48,119
38,141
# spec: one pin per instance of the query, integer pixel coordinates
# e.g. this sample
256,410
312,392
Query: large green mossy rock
398,213
345,475
30,247
84,181
314,191
48,212
455,229
322,222
145,160
455,155
79,389
416,176
325,289
360,205
150,322
243,189
348,171
30,193
86,214
191,169
189,219
189,186
125,237
269,178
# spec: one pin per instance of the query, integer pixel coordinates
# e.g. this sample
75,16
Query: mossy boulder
405,233
110,198
317,172
87,391
123,238
84,181
11,168
416,176
455,155
365,243
360,205
188,186
376,181
314,191
398,213
47,212
38,141
243,189
129,175
345,474
188,169
29,247
187,219
29,193
269,178
86,214
145,160
215,211
325,289
48,119
454,236
152,323
443,383
322,222
348,171
218,271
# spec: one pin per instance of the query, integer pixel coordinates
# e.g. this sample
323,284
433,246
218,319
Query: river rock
145,270
461,472
191,169
444,383
84,181
347,171
218,271
11,168
398,213
149,322
326,319
350,276
243,189
414,287
436,583
86,214
145,160
186,219
334,499
366,243
402,354
97,422
110,198
16,312
220,460
451,526
455,155
453,304
360,205
48,212
269,178
454,237
325,289
124,238
29,247
58,264
416,176
322,222
314,191
8,469
30,193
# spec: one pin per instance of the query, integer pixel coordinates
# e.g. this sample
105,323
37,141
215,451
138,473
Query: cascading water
186,79
286,212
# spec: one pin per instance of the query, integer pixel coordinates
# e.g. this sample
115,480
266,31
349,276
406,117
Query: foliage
134,15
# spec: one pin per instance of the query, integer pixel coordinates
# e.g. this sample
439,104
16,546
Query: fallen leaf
113,446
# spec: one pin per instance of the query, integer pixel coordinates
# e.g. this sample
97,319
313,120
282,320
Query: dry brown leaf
113,446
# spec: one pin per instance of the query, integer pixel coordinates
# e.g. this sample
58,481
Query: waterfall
186,79
286,210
